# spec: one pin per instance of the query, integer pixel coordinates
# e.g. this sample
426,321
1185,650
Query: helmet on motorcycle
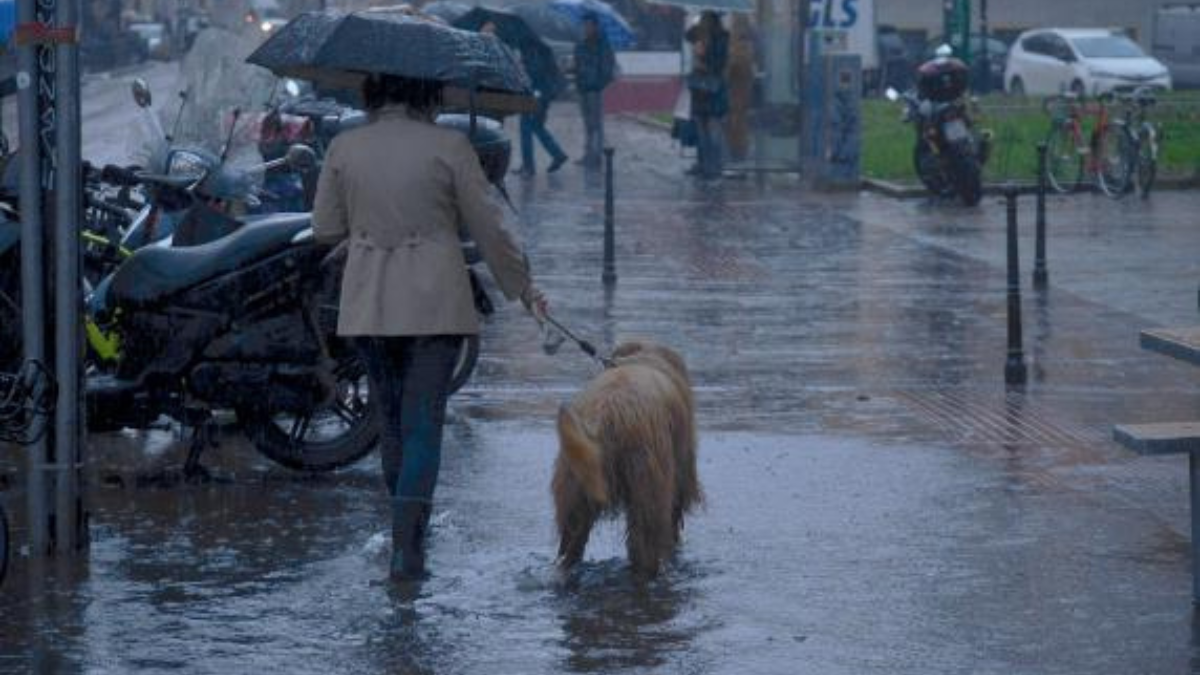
491,145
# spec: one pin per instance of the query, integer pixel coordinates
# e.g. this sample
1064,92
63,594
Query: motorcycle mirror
141,93
892,94
301,158
944,52
292,88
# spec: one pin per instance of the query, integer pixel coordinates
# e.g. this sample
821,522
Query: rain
937,306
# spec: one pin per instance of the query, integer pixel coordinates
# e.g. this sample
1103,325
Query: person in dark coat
595,69
710,92
548,83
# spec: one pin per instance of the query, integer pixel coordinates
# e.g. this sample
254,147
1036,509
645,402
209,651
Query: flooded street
877,501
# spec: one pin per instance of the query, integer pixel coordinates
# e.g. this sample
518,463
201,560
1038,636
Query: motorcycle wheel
335,435
464,367
10,313
3,545
966,174
929,170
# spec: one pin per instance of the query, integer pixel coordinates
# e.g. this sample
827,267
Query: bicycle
1071,153
1141,141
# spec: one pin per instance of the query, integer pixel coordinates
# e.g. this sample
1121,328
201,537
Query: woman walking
595,68
397,189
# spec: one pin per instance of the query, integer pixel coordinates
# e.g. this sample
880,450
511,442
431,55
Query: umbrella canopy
446,10
547,22
614,26
746,6
536,55
338,49
510,28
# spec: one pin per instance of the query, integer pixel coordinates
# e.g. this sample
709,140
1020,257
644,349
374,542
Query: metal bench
1172,438
1168,438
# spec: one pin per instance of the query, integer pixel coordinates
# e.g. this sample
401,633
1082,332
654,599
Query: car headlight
266,26
184,164
1103,74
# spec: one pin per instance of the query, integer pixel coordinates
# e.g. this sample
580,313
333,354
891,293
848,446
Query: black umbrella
338,49
510,28
536,55
547,22
446,10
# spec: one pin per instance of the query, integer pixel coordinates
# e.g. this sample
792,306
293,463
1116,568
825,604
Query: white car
1083,61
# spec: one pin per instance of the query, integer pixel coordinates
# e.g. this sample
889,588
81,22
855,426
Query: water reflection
611,621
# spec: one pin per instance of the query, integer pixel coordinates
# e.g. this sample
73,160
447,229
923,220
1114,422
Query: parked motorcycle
950,150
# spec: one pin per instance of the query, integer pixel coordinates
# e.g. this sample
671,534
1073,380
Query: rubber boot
410,523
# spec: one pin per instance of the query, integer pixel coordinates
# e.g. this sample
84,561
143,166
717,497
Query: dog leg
650,532
575,528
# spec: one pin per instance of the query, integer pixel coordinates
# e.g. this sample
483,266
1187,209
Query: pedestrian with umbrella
396,191
595,69
538,60
710,92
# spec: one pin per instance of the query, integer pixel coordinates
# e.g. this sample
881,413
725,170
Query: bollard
1014,367
610,238
1041,276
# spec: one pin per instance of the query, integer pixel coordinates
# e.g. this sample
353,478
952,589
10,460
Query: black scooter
950,151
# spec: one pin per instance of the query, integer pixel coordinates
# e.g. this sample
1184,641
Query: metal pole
33,300
1194,472
68,418
985,60
1041,276
1014,367
610,237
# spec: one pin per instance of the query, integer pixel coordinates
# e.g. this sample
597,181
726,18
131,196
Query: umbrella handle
472,94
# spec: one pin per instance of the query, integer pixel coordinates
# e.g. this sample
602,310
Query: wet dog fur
627,443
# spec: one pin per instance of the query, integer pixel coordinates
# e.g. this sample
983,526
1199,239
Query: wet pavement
877,500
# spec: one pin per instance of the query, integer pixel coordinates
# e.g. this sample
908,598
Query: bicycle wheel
1064,162
1115,150
1147,158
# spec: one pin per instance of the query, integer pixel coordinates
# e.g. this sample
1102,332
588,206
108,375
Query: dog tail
582,455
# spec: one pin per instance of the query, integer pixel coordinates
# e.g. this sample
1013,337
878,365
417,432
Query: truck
1175,41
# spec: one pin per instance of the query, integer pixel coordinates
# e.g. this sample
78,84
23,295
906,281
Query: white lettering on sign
828,14
846,26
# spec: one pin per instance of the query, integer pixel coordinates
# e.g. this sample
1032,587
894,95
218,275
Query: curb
645,120
120,71
913,191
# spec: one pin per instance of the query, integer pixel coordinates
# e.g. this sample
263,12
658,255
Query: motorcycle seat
155,273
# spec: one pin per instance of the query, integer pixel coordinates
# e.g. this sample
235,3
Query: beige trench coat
398,189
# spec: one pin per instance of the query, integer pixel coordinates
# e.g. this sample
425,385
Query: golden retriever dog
627,443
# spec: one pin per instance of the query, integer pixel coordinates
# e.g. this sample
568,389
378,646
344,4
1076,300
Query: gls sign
846,26
834,14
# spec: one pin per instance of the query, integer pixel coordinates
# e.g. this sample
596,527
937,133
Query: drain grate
1010,420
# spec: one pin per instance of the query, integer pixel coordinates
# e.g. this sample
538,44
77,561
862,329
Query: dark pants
533,125
591,105
411,377
710,146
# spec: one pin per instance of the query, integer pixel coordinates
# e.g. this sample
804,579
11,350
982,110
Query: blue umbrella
615,27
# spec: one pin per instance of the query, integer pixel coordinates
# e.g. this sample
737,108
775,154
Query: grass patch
1018,126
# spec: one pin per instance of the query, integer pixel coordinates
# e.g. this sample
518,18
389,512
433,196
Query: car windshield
1108,47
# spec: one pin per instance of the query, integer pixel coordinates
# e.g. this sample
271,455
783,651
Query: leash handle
585,346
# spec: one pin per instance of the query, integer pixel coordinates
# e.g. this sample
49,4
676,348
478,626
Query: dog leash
585,346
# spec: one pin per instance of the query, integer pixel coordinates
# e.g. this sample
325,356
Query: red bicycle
1084,141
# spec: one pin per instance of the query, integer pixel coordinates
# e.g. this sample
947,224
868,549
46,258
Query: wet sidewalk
878,501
